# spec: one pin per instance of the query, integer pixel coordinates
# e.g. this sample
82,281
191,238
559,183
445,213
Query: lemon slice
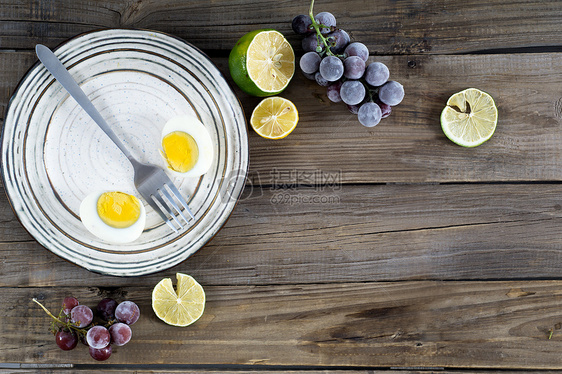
274,118
180,308
262,63
470,117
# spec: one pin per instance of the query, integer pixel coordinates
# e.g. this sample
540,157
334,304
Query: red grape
68,304
66,340
120,333
98,337
81,315
101,354
127,312
106,308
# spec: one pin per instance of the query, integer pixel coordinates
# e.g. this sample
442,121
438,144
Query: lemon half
181,307
274,117
470,117
262,63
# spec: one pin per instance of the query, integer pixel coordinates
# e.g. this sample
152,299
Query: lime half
470,117
262,63
181,306
274,117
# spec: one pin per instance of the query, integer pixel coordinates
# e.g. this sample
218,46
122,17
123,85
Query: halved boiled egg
187,146
114,216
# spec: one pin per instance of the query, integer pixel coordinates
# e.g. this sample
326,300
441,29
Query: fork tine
178,196
172,202
165,206
158,210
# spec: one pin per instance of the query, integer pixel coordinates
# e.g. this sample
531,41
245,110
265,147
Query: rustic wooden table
407,254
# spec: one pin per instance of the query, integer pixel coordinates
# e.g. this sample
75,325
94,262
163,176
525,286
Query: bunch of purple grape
76,322
334,62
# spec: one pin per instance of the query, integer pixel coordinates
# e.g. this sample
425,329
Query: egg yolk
118,209
180,151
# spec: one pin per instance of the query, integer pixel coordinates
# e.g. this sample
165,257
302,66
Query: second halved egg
187,146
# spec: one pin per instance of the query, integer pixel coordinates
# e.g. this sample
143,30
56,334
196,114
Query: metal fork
150,181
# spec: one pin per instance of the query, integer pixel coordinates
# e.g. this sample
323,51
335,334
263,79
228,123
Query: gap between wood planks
221,53
249,369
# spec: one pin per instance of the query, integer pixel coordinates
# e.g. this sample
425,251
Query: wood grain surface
353,250
370,324
405,27
122,369
370,233
409,146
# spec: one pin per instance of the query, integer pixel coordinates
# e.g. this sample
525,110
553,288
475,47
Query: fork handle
57,69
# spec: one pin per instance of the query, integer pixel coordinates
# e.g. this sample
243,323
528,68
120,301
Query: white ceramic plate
53,154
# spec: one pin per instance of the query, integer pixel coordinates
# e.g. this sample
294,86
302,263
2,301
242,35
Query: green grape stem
319,35
370,92
62,324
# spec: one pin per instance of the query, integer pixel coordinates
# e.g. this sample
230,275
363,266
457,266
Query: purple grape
326,19
333,92
391,93
310,62
309,76
302,24
101,354
120,333
68,304
127,312
98,337
352,92
331,68
376,74
106,308
66,340
339,40
385,108
353,67
81,315
82,339
357,49
320,80
353,108
310,44
369,114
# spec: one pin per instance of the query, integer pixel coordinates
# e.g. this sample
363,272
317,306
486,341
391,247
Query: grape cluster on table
79,325
342,67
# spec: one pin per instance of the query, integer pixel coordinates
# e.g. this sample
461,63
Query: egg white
192,126
94,224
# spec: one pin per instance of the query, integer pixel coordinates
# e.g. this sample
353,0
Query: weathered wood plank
386,27
146,370
489,325
366,233
409,146
192,371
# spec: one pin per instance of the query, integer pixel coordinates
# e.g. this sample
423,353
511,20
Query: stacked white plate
53,154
